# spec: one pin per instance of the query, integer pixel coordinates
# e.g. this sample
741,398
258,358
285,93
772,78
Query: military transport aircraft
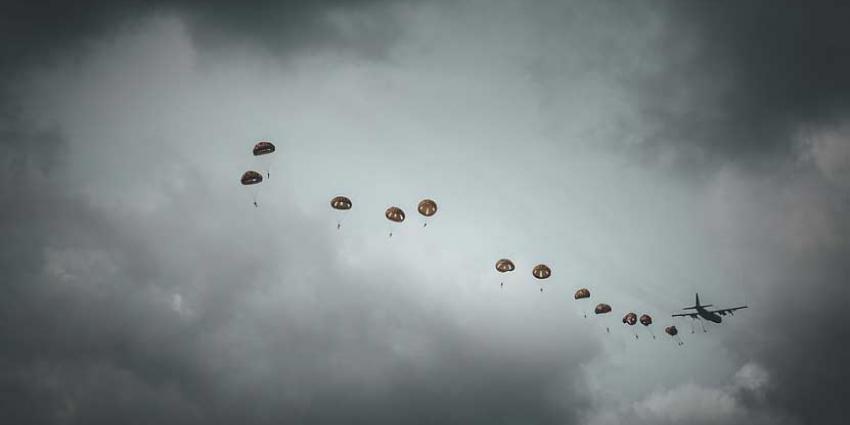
710,315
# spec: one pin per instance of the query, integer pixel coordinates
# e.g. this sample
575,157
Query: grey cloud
36,31
740,80
176,315
739,401
114,314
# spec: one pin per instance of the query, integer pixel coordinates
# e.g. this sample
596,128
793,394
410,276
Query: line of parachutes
428,208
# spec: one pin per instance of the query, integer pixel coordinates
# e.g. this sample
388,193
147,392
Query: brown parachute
541,271
251,177
630,319
394,214
427,207
341,203
582,293
673,332
263,148
602,309
505,265
645,319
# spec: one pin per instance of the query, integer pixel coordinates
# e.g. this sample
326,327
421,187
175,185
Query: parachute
674,333
262,149
583,294
646,320
504,265
341,204
394,215
602,309
251,178
427,208
631,319
541,271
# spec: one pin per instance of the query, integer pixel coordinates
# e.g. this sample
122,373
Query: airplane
712,316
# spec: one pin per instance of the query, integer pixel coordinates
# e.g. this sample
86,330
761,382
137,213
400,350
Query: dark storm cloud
740,78
94,331
795,251
762,74
33,31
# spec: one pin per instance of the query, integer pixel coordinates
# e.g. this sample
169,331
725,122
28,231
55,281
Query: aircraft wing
691,315
724,311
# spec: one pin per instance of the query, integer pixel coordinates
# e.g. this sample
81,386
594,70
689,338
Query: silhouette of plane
710,315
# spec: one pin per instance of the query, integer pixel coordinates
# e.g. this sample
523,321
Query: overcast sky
645,150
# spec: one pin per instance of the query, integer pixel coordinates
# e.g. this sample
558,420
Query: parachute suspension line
693,328
703,326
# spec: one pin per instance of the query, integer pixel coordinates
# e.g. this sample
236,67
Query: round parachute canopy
427,207
394,214
251,177
645,319
504,265
671,330
263,148
341,203
582,293
541,271
602,309
630,319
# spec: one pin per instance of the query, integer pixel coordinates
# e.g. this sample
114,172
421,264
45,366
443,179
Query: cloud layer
647,151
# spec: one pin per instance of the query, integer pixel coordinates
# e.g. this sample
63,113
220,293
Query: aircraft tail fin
696,304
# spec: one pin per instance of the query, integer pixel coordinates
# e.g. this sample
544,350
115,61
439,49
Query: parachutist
340,204
502,285
427,208
255,204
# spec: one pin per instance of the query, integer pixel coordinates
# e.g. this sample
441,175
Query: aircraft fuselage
707,315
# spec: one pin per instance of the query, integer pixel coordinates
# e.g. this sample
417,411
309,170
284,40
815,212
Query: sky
645,150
